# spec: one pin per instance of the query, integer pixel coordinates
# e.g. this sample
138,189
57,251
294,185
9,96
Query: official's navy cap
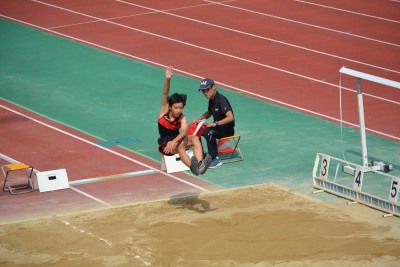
206,83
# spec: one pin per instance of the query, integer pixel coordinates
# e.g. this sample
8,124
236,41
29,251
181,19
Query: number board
323,173
394,190
358,178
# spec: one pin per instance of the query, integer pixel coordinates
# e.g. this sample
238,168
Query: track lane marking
139,14
347,11
261,37
211,50
111,177
90,196
192,45
303,23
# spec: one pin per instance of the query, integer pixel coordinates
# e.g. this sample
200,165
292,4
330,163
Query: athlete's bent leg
182,152
197,148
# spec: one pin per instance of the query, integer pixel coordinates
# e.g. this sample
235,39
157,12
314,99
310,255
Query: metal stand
376,166
16,167
236,139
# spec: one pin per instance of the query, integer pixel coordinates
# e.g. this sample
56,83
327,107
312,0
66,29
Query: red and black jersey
169,129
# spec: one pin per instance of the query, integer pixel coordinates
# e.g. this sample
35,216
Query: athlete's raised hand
169,73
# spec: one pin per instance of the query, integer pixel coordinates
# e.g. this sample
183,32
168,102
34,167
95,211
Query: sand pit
252,226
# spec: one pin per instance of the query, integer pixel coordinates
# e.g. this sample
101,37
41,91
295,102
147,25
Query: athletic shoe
204,164
194,166
216,163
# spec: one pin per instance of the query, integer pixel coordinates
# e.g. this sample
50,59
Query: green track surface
112,97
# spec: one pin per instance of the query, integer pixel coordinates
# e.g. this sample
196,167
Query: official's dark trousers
211,134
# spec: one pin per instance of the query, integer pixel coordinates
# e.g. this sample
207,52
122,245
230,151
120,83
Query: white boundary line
225,28
261,37
90,196
139,14
303,23
348,11
104,148
189,44
11,160
211,50
111,177
247,10
222,84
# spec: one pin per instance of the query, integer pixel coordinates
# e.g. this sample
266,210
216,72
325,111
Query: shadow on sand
190,201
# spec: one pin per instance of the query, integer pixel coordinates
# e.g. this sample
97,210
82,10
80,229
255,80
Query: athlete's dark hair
177,98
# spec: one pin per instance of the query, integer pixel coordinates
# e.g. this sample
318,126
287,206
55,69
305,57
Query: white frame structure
321,182
372,78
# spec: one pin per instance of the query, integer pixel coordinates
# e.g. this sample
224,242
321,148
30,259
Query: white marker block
52,180
174,163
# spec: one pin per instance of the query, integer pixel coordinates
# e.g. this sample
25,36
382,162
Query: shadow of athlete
190,201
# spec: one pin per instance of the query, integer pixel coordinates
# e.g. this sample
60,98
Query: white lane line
192,45
104,148
303,23
348,11
135,15
111,177
73,24
260,37
220,83
90,196
11,160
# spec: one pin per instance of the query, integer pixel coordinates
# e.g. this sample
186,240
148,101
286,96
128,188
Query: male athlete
170,120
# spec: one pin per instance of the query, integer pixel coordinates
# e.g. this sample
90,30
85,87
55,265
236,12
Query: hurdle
381,166
323,182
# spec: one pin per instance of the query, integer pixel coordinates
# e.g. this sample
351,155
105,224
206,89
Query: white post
362,124
372,78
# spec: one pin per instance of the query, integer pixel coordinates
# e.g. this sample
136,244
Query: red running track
27,134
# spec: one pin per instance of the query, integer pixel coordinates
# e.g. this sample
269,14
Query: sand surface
252,226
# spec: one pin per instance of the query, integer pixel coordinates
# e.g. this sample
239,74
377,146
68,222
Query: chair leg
234,150
13,190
